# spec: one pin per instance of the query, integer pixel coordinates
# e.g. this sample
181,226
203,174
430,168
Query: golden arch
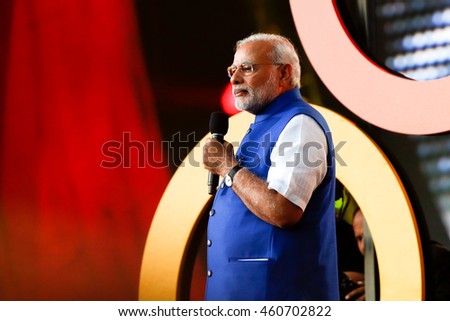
367,173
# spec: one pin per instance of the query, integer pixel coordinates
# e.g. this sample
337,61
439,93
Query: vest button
209,242
209,273
212,212
222,185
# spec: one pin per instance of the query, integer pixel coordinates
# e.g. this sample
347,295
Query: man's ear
286,75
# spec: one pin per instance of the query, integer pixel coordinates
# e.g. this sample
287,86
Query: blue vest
249,259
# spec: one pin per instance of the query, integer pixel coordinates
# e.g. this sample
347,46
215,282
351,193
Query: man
271,231
356,285
350,243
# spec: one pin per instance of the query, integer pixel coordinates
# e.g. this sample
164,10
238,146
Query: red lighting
227,101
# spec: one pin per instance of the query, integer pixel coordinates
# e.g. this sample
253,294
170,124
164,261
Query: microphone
218,126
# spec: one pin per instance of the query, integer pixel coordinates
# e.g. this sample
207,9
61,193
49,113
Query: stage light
227,101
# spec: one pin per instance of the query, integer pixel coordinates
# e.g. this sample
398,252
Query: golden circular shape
379,97
361,167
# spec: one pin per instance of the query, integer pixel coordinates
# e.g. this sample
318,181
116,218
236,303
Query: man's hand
358,294
218,158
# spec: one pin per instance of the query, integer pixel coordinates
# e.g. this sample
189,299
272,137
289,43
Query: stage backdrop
72,79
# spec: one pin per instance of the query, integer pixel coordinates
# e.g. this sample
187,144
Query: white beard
257,98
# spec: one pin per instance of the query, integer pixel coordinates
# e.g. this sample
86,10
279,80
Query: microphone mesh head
218,123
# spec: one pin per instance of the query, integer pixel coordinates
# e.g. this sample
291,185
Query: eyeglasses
246,69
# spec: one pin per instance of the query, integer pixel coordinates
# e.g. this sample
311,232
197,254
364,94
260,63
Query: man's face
252,92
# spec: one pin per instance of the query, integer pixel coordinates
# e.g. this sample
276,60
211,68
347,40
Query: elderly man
271,231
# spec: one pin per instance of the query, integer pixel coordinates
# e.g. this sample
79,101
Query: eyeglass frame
231,73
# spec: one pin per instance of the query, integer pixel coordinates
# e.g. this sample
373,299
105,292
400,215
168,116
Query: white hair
283,52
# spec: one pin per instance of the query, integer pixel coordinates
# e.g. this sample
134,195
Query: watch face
228,181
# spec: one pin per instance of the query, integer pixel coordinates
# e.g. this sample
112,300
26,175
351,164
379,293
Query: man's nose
237,78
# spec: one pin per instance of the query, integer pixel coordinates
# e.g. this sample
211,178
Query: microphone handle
213,179
218,137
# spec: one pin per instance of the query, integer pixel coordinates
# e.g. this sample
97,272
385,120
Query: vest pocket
247,260
247,277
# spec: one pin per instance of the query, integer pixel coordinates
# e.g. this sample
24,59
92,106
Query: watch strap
234,170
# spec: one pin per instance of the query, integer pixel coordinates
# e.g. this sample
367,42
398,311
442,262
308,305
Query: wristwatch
229,177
